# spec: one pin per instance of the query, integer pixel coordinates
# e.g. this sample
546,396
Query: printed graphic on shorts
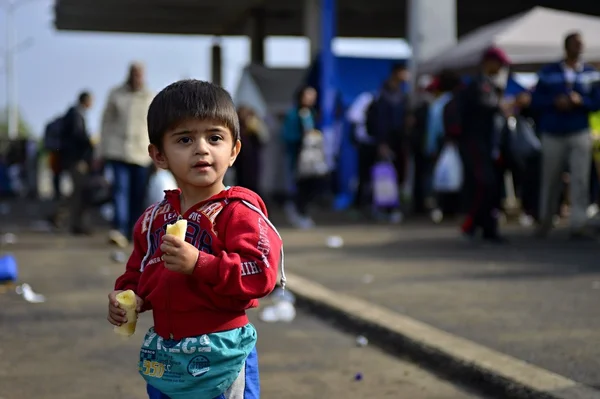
169,360
198,366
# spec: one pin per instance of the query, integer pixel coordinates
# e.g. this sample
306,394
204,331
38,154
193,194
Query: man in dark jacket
76,158
482,115
390,115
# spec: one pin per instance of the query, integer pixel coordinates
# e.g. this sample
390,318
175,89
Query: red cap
434,85
496,53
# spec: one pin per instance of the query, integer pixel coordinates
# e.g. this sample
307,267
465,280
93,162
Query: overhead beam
239,17
356,18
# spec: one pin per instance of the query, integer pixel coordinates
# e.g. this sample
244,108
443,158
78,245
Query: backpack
452,118
53,135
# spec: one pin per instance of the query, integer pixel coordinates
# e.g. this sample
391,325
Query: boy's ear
158,157
234,152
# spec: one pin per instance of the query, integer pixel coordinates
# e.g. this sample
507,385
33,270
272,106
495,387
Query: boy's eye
184,140
215,138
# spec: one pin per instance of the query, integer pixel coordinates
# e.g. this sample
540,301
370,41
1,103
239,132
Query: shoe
81,231
117,238
396,217
526,220
542,231
304,223
436,215
291,213
582,235
468,236
495,239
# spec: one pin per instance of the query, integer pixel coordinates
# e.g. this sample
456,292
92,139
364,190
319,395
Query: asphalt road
535,300
64,349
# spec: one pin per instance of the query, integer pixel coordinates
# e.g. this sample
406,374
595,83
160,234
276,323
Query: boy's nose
202,146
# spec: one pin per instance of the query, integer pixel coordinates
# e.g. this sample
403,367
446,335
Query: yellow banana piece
178,229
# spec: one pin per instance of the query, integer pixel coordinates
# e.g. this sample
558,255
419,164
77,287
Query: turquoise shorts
196,367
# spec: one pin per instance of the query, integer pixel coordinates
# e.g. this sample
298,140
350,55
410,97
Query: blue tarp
354,76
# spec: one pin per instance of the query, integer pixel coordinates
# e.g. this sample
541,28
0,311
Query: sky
58,65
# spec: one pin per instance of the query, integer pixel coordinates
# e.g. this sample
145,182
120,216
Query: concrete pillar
431,28
216,63
312,25
257,33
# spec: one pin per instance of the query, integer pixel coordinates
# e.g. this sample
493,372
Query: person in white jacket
124,149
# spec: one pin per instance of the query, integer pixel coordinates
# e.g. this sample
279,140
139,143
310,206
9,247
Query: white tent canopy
531,38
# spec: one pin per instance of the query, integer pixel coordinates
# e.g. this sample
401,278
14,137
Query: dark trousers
483,182
367,154
594,185
307,190
129,190
528,186
56,178
449,203
75,205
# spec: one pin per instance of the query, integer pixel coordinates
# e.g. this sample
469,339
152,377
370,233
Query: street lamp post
12,107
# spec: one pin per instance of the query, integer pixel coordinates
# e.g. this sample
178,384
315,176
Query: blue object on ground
8,268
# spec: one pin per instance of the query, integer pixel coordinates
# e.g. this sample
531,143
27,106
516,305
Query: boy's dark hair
187,99
570,36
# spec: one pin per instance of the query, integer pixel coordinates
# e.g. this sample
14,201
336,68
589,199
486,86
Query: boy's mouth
201,164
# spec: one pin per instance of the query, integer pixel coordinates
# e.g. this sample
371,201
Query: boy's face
197,152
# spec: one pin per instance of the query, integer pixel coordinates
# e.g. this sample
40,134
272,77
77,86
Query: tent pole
327,78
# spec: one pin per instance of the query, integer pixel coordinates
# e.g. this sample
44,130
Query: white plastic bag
448,173
159,182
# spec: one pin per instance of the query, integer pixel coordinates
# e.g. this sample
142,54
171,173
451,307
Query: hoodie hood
230,194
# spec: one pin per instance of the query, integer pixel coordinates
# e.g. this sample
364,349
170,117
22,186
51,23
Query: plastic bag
521,144
448,173
159,182
312,161
385,185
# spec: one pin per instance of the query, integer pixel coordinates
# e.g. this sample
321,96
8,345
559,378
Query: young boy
202,344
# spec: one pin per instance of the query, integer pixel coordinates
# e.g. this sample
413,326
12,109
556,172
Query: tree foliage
24,127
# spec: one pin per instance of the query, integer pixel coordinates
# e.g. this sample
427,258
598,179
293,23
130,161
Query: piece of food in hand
128,303
178,229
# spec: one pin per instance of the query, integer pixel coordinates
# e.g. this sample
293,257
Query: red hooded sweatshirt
240,252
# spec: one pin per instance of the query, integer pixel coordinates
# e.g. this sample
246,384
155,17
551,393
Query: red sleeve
129,280
248,268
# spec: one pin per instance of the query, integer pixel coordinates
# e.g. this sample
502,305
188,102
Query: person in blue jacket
566,93
299,120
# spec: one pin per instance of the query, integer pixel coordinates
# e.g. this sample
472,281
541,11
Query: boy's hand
116,315
179,256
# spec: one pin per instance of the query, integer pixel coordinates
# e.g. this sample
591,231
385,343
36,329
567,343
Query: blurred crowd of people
464,146
442,149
